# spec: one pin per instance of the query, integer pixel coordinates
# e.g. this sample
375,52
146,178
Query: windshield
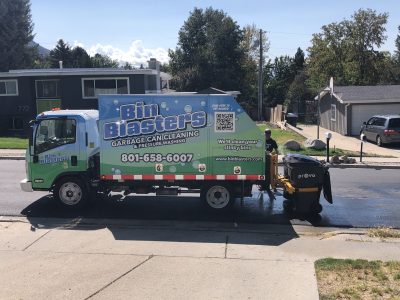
53,133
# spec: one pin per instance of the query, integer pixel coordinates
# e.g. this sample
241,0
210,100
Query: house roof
79,71
213,90
365,94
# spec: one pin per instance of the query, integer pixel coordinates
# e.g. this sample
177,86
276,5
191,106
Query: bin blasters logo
138,119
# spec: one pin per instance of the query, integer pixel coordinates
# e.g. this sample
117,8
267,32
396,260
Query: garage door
361,113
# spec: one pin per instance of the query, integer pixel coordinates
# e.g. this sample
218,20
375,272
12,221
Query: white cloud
136,54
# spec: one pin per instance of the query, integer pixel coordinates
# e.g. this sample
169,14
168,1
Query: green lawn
357,279
13,143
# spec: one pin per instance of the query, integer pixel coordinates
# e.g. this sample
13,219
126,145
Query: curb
12,157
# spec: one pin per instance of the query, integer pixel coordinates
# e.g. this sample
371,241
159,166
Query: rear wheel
71,193
218,197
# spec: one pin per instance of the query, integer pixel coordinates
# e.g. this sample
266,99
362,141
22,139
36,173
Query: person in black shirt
270,143
270,147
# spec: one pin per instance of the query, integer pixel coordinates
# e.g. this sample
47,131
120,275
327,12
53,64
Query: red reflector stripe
181,177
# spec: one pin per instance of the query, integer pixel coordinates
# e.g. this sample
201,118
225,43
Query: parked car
382,129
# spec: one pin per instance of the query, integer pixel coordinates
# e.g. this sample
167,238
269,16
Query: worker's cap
267,130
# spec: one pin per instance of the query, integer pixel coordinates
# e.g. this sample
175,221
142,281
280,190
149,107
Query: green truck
163,144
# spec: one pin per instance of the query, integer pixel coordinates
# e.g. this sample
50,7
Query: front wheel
218,197
379,141
71,193
362,136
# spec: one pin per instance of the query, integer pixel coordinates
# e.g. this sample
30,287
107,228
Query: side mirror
364,123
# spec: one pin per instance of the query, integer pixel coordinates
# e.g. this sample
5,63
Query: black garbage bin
291,118
307,176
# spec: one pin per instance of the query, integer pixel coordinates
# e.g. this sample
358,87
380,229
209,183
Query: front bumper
26,185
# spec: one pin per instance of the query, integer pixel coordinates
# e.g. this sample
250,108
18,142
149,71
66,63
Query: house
26,93
343,109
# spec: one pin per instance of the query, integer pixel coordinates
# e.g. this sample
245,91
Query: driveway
347,142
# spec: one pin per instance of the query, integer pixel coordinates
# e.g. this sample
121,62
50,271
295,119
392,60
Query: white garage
343,109
361,113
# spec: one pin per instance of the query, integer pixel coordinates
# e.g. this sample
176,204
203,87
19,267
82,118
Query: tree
397,44
251,47
251,43
16,34
103,61
128,66
396,60
278,81
61,52
80,58
208,53
299,60
348,51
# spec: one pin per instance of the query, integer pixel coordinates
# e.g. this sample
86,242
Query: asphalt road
362,198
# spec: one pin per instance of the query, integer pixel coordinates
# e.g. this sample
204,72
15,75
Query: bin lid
291,115
300,159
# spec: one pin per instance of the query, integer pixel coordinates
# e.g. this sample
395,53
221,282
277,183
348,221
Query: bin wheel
217,197
316,208
71,193
288,206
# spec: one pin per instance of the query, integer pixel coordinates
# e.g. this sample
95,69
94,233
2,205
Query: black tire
288,206
379,141
362,136
218,197
316,208
71,193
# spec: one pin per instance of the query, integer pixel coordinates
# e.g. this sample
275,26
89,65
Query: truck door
56,149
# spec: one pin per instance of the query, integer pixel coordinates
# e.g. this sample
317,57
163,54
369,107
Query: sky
133,31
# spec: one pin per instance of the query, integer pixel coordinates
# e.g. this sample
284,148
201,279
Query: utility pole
260,81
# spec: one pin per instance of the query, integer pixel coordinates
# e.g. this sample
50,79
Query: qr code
225,122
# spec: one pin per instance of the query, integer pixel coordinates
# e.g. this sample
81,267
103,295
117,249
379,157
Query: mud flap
327,187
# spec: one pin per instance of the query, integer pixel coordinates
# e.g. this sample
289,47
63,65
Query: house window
333,112
47,89
15,123
93,87
8,87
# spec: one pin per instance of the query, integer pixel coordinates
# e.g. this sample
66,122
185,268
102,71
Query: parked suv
382,129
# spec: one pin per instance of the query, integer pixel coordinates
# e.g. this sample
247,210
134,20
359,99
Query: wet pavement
362,198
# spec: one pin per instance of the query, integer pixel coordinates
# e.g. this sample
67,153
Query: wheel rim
218,197
378,141
70,193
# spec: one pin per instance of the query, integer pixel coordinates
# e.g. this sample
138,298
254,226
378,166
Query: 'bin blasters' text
138,119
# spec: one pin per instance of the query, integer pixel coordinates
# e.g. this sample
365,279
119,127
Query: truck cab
60,145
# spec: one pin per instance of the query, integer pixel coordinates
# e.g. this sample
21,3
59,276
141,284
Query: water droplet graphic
163,104
188,109
172,169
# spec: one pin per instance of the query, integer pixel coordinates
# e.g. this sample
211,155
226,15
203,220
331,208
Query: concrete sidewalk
103,259
348,142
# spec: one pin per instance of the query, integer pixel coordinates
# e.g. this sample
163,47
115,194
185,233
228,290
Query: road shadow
172,219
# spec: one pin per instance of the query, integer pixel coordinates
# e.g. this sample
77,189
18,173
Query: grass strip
357,279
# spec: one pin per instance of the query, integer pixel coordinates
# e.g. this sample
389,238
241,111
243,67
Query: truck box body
185,137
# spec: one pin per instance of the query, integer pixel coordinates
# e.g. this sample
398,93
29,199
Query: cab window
53,133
